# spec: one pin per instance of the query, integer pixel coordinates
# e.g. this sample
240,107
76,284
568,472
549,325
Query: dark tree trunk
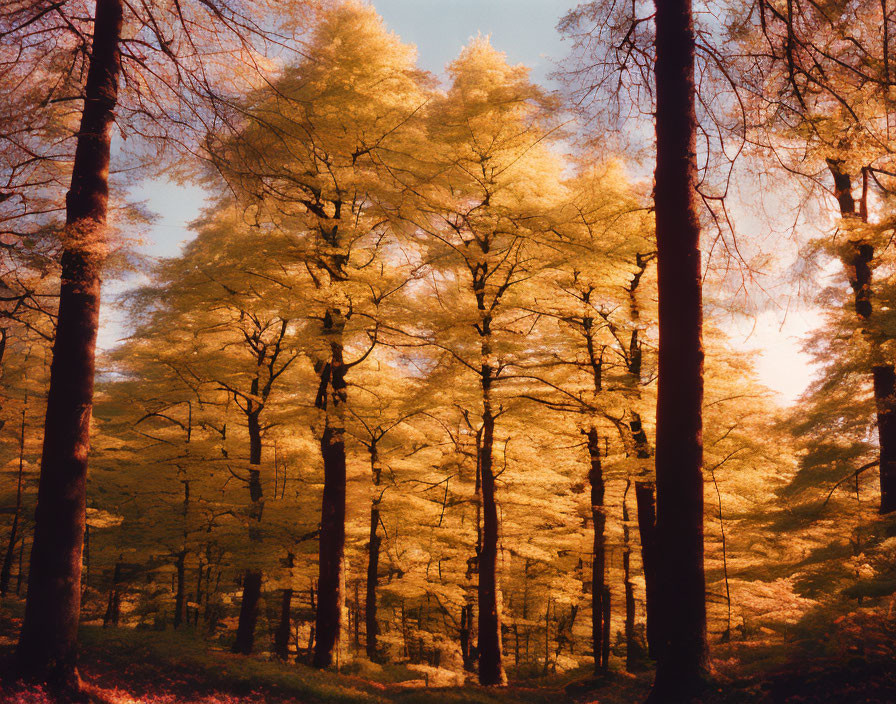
245,632
598,551
885,397
9,557
682,652
113,607
633,651
47,647
605,641
180,563
20,577
332,520
491,669
373,559
332,547
281,637
179,600
466,624
644,499
311,627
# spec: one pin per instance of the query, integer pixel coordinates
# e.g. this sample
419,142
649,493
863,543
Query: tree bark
179,594
605,641
281,637
373,559
47,648
598,550
332,521
644,500
491,669
682,655
245,632
180,563
466,624
113,607
633,650
885,398
9,557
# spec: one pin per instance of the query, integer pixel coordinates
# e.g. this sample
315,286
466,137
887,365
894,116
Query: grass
127,666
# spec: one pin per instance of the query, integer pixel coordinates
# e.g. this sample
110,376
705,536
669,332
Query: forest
442,394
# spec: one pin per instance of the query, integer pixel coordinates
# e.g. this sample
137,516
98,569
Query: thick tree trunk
682,652
598,551
9,556
373,559
491,669
332,547
332,520
644,500
885,397
47,647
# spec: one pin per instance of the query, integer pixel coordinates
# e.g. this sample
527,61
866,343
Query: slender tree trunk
47,647
491,669
9,556
281,637
373,558
311,633
633,650
466,639
113,607
180,563
598,551
20,576
682,652
605,641
332,523
644,500
245,632
179,600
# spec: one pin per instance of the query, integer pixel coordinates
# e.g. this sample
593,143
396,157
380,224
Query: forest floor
126,666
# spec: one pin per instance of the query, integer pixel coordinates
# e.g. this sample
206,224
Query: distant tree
482,219
318,152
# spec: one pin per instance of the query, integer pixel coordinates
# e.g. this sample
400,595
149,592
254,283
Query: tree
482,218
47,646
592,364
318,152
817,81
682,652
41,29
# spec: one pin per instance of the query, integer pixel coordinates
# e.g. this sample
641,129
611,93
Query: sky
526,31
